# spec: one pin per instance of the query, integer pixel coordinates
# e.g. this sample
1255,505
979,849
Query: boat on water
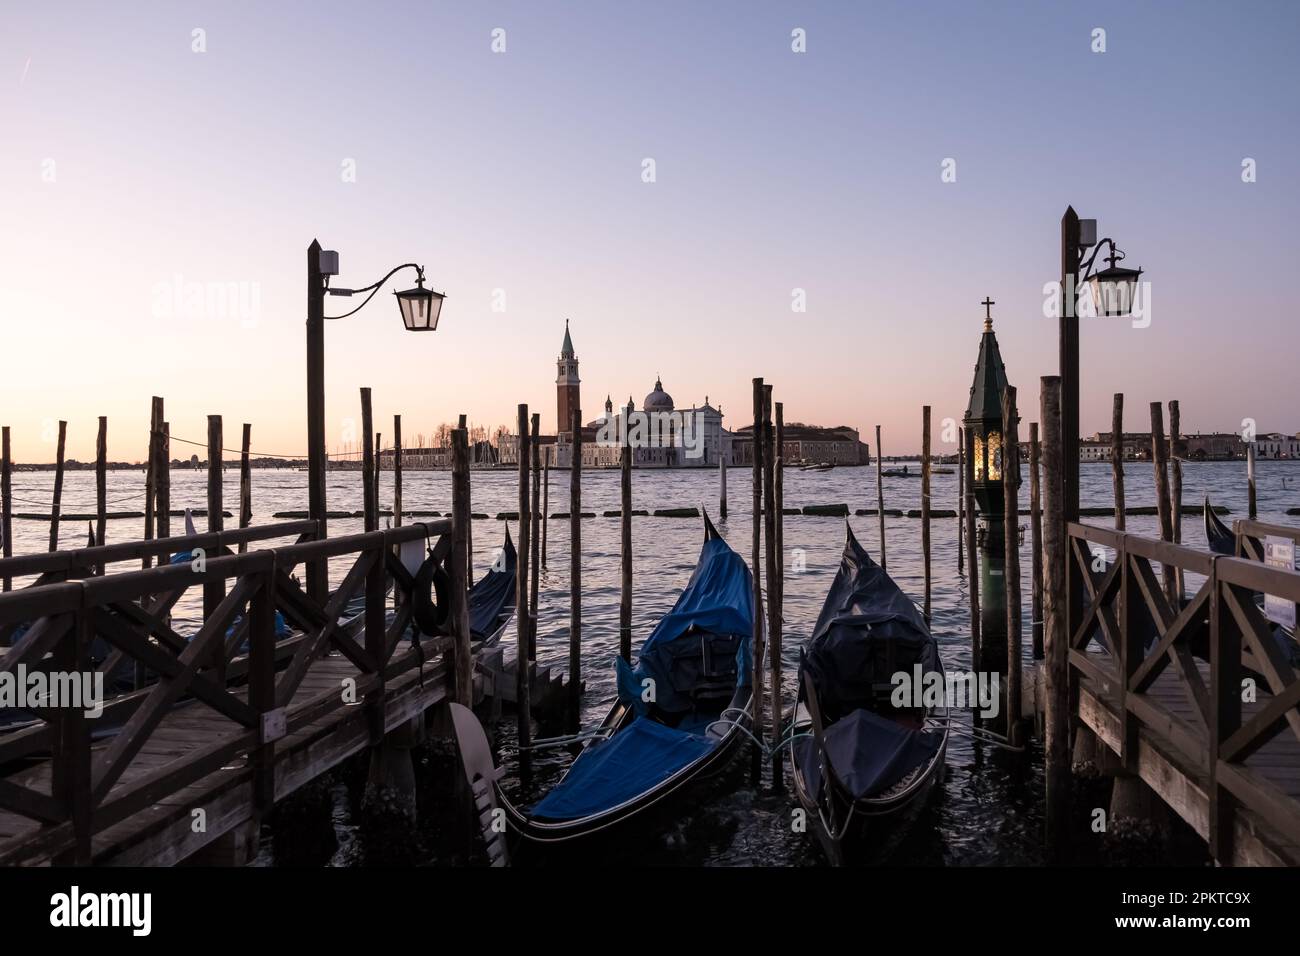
680,714
865,758
1218,535
492,597
818,466
901,473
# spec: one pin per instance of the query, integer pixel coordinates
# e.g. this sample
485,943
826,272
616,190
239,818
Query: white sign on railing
1279,553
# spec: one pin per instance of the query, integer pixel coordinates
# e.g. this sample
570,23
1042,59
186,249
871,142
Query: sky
166,165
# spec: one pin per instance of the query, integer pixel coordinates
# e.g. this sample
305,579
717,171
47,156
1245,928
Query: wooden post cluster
1036,539
1011,577
523,632
973,565
534,519
56,506
575,574
1056,637
756,559
880,499
925,502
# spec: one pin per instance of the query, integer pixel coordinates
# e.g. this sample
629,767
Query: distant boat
819,466
941,471
1217,534
903,473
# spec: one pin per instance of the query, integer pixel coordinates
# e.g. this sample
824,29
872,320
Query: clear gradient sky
522,171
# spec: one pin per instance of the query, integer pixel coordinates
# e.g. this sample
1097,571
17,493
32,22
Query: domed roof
658,400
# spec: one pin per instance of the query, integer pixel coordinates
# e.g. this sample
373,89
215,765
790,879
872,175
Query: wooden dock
197,757
1206,713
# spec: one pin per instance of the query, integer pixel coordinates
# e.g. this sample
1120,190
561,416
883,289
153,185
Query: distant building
1277,445
1220,446
807,443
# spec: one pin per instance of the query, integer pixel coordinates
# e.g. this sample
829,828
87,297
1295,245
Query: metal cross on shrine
988,317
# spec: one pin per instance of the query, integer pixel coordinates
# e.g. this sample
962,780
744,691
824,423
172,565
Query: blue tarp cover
609,773
717,600
492,593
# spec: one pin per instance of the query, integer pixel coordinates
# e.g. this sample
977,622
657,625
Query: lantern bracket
1116,255
373,288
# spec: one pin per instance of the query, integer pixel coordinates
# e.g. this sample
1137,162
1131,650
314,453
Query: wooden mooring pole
1117,458
369,490
162,474
1250,480
534,519
150,481
214,592
773,588
56,506
961,496
1176,492
1036,542
973,564
925,502
101,483
1160,460
575,574
462,657
722,486
625,551
397,471
756,559
245,482
1056,638
880,498
546,503
1011,577
523,632
463,425
6,502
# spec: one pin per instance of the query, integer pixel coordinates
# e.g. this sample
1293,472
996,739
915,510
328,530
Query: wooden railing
257,692
1214,643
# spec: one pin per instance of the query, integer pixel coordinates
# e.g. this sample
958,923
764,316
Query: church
662,435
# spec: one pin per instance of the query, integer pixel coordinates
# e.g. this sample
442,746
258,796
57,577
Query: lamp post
983,422
419,308
1112,293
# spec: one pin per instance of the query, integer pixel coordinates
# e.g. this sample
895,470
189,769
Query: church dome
658,400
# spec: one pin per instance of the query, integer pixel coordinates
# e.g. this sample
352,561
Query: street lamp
419,307
1113,289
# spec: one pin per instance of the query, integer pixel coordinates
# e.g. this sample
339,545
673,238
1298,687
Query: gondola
680,714
862,766
492,597
1217,534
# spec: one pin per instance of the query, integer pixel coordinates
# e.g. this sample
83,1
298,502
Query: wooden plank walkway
324,731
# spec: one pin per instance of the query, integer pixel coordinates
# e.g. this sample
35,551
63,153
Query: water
989,807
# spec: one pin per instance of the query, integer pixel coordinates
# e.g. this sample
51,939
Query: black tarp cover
867,631
867,752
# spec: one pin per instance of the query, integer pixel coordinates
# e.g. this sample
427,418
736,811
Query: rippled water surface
988,809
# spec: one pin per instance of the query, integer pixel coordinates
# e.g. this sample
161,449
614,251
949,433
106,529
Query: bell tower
566,385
